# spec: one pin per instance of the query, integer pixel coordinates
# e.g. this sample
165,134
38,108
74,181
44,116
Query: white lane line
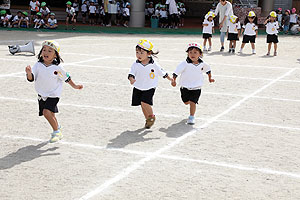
127,171
11,75
116,109
168,157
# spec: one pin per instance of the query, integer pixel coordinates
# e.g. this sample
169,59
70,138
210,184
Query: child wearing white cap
48,76
143,76
208,29
191,78
250,31
234,28
272,27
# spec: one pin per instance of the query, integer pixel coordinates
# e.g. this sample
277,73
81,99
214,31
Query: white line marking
124,173
11,75
169,157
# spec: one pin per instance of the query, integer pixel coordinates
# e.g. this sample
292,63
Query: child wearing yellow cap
250,31
208,29
48,76
234,28
191,78
143,76
272,27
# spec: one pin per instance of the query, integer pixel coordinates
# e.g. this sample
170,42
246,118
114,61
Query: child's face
52,16
141,55
19,14
194,54
210,19
48,54
287,13
68,6
251,19
272,19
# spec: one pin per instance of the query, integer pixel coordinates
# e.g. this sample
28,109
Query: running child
48,76
191,78
143,76
250,31
208,29
234,28
272,31
70,15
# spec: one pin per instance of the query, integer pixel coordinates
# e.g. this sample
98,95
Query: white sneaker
209,48
204,49
241,51
253,51
191,120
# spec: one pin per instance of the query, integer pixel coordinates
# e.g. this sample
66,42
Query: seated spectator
52,22
45,11
38,22
24,21
16,19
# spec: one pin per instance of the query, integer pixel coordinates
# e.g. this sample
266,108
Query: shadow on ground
25,154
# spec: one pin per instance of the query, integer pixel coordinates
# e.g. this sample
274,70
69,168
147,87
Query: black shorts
272,38
33,12
92,16
49,104
190,95
163,20
83,14
207,35
139,96
126,18
248,38
233,36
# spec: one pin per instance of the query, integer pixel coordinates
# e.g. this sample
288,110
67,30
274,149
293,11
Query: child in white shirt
52,22
126,14
143,76
208,29
84,11
92,13
191,78
45,11
71,19
250,31
48,76
38,22
272,31
234,28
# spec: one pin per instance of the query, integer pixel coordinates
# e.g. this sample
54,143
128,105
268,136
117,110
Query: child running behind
191,78
144,77
48,76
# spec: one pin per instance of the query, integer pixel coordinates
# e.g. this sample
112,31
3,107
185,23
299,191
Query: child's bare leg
204,43
269,47
145,112
187,103
253,45
233,44
243,45
147,108
275,47
50,116
209,41
192,108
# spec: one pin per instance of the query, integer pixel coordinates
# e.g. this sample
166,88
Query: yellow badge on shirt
152,75
273,29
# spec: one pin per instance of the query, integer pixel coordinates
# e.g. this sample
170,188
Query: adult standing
224,9
173,12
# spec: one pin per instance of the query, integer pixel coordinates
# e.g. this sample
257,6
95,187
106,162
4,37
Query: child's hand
78,87
211,80
132,81
173,83
28,70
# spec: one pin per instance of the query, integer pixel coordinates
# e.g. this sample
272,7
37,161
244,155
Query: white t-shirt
163,14
293,18
49,80
191,76
208,29
126,12
172,7
272,28
84,8
52,22
150,11
146,76
34,5
40,21
70,11
234,27
76,6
45,11
92,9
8,17
250,29
16,18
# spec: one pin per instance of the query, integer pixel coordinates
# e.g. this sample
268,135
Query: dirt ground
245,143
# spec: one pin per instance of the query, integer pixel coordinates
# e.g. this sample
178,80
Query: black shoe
229,51
233,50
222,49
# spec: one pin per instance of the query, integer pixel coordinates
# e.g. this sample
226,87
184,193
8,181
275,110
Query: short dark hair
191,48
56,61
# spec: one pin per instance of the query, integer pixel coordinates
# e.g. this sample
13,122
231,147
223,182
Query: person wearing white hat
250,31
143,76
234,28
173,12
272,27
224,10
48,76
208,29
191,78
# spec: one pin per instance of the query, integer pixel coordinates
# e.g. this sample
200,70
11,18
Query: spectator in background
52,22
173,13
44,11
38,22
70,15
224,10
34,8
279,17
84,11
24,21
286,21
293,18
126,14
92,13
16,19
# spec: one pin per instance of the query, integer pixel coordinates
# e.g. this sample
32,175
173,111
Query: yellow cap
194,44
210,14
53,44
251,14
145,44
273,14
233,18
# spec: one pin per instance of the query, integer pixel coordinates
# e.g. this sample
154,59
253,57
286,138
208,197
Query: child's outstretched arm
29,74
211,80
173,83
78,87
